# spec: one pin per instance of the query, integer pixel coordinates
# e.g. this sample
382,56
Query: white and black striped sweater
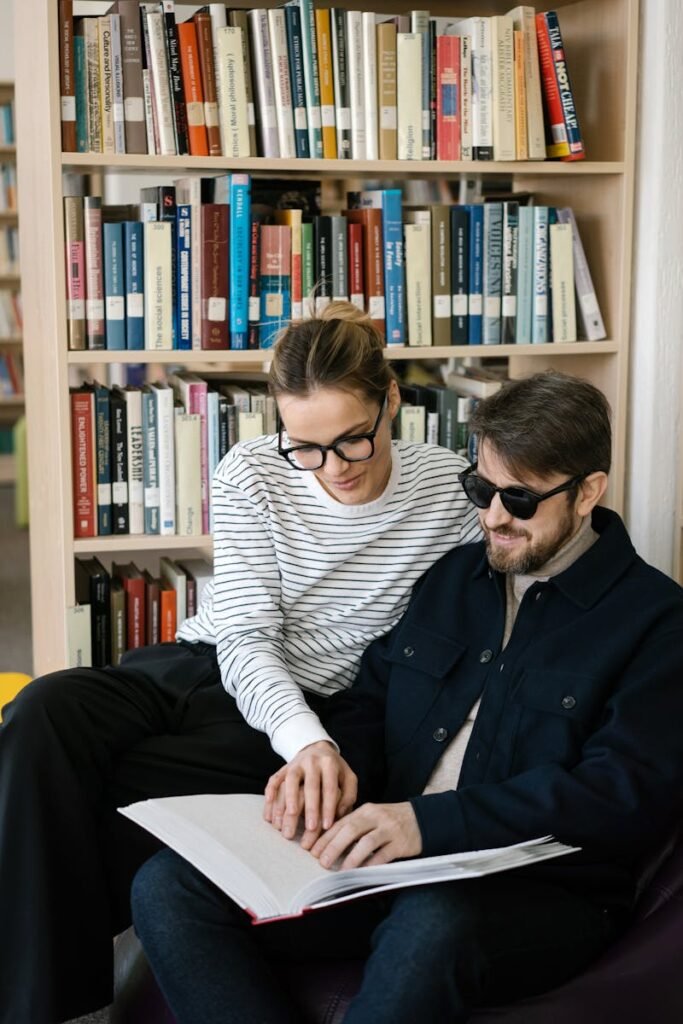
303,583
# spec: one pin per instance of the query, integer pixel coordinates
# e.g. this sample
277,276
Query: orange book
521,121
293,218
168,614
192,89
324,40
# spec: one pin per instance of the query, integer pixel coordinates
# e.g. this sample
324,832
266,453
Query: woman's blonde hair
341,348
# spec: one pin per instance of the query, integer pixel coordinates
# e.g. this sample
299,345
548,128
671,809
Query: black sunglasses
518,501
352,448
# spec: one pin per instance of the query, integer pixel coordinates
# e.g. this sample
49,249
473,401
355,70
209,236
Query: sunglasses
518,501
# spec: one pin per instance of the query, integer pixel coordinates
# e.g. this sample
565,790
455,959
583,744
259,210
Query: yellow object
10,684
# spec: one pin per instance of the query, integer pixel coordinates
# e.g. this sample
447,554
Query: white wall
7,39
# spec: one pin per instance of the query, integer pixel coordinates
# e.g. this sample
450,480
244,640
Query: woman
320,533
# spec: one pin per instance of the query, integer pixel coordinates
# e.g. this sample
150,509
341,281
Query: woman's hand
317,783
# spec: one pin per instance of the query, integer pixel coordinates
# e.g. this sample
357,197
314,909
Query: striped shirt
304,583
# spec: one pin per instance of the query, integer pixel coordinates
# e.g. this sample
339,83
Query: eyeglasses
518,501
354,448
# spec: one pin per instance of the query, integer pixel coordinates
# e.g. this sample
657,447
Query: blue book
309,53
296,77
213,443
475,304
539,314
103,456
240,257
492,265
114,286
150,463
525,275
81,91
183,292
389,201
275,282
460,284
133,250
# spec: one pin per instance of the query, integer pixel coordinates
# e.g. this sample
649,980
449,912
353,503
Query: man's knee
44,697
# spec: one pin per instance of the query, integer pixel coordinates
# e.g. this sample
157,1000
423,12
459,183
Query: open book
226,838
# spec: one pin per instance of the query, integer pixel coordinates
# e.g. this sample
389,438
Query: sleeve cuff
441,822
297,733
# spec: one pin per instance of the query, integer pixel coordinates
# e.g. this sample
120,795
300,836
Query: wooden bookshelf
601,38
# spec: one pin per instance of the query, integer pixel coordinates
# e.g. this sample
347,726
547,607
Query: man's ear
393,399
591,491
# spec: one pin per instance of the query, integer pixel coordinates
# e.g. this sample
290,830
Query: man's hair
340,349
545,424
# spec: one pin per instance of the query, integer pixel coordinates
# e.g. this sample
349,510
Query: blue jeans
434,952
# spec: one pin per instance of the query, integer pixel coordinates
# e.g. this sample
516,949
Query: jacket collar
596,571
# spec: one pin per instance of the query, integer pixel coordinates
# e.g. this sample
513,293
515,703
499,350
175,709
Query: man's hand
318,783
372,834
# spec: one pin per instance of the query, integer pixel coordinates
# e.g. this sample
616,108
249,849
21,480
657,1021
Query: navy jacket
580,729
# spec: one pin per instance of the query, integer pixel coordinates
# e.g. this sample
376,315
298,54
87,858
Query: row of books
440,413
11,317
8,188
9,250
127,608
143,457
295,81
7,124
11,375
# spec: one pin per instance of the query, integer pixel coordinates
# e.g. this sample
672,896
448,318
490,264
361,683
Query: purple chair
639,978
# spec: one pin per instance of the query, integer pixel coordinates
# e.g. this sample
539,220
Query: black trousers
74,746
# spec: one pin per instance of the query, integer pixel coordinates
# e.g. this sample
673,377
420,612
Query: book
117,605
573,135
387,91
283,91
409,102
152,608
114,286
502,87
590,317
232,92
460,273
163,396
158,285
134,587
74,243
418,280
84,464
133,261
79,636
238,19
524,21
103,459
270,877
94,272
369,83
66,76
174,577
92,583
323,36
240,242
266,121
202,20
276,249
447,98
539,309
562,276
119,461
525,275
296,74
492,262
441,273
192,89
214,274
420,23
354,52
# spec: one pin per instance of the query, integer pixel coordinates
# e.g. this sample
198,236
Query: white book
479,32
369,32
188,473
249,425
158,286
277,27
354,51
408,76
432,428
226,838
201,571
264,82
163,102
419,22
189,193
232,93
503,87
175,577
418,263
413,423
117,71
524,20
163,397
592,325
136,476
465,98
562,283
79,636
149,111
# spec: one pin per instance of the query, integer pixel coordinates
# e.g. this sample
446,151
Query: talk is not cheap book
227,839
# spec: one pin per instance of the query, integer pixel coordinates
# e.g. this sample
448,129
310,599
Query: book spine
192,89
447,98
418,291
212,442
197,404
81,89
492,272
356,270
79,636
340,76
369,82
466,98
66,76
521,119
74,238
114,287
394,290
539,317
387,96
296,74
419,23
266,120
354,40
276,250
133,91
510,275
566,94
502,87
340,285
326,77
214,293
283,92
238,19
590,317
293,219
432,88
232,92
309,56
166,460
206,63
562,273
175,78
188,477
240,245
119,462
408,72
254,284
94,280
135,613
168,615
106,84
103,460
161,83
307,271
158,291
117,77
183,237
525,275
557,144
322,227
133,251
152,611
100,619
460,243
136,517
482,120
475,306
83,464
92,64
151,121
150,462
441,274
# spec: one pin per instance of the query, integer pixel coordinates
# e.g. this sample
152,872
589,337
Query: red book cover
373,262
168,615
214,275
83,463
356,274
447,98
202,20
134,586
557,144
192,88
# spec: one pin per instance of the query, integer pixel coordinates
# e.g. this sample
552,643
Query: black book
510,260
176,82
460,273
93,587
119,461
322,251
342,86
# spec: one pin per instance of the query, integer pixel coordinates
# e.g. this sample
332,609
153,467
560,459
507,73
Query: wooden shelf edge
11,401
8,471
141,542
16,340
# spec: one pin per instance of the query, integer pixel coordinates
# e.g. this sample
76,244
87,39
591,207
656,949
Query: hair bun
339,309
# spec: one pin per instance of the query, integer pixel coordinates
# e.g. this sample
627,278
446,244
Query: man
532,687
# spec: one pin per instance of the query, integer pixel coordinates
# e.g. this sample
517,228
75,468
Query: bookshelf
601,37
12,406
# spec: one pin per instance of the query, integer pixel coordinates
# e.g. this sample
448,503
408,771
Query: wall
7,39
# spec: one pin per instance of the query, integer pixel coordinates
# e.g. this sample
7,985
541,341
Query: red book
557,144
214,275
134,586
202,20
66,75
447,98
254,285
192,88
168,614
356,274
83,455
373,261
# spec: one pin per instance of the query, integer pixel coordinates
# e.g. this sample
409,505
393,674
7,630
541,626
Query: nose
496,515
334,466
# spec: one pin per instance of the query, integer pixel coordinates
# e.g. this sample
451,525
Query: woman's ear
591,491
393,399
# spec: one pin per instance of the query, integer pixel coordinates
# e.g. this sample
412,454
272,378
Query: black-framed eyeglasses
354,448
518,501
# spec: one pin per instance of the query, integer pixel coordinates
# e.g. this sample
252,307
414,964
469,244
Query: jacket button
568,703
485,657
440,734
409,651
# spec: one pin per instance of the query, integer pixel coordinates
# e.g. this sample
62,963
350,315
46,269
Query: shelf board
305,168
8,470
11,401
254,357
10,280
141,542
8,149
9,217
7,342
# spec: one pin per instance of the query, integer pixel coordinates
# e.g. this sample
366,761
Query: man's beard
535,556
